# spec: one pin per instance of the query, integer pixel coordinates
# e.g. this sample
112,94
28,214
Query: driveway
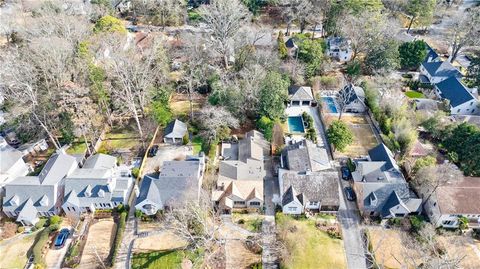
349,218
54,257
166,153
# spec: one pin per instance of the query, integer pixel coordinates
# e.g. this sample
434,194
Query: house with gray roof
306,179
352,98
99,184
12,164
339,48
381,188
300,96
437,71
461,99
29,197
178,184
240,180
174,132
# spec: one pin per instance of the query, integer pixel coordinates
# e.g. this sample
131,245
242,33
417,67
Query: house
241,173
33,148
12,164
99,184
454,199
178,184
174,132
292,47
437,71
381,188
475,120
339,48
306,180
462,101
300,96
424,104
432,55
29,197
353,98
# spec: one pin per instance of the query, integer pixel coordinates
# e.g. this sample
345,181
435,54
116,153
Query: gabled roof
100,161
289,196
302,93
306,156
56,168
353,92
453,90
72,198
395,205
431,54
149,191
382,153
441,69
8,156
28,212
175,129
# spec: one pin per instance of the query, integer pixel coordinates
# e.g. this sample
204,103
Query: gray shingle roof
100,161
29,188
431,54
8,157
441,69
301,93
175,129
453,90
56,168
382,153
306,156
28,212
178,183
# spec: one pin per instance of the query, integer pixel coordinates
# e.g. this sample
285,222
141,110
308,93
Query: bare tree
465,31
297,10
212,118
224,18
428,179
163,12
344,97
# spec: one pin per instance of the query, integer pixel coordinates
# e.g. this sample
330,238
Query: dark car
61,238
350,194
345,173
153,151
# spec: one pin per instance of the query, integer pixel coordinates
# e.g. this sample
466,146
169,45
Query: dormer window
44,201
15,200
373,199
101,193
88,191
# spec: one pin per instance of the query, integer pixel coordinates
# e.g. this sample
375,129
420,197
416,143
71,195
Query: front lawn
169,259
414,94
309,247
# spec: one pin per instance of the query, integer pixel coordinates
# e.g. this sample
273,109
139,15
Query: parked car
350,194
346,175
61,238
153,151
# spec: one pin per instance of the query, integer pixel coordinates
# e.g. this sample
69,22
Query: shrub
138,213
339,135
424,162
241,221
20,229
462,223
55,220
41,223
135,172
351,165
417,223
265,125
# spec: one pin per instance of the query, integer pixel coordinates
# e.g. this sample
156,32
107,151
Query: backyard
99,242
180,105
167,259
414,94
363,136
316,249
13,252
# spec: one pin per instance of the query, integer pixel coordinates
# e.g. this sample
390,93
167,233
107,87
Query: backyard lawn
414,94
363,137
197,145
99,241
170,259
315,250
77,147
13,254
250,222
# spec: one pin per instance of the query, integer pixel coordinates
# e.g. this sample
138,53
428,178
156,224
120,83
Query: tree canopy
412,54
109,24
463,145
273,94
339,135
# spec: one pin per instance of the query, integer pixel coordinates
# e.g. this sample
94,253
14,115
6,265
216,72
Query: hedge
118,237
40,242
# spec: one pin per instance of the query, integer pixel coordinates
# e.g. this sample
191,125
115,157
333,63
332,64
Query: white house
452,200
437,71
174,132
352,98
12,164
300,96
339,48
462,101
178,184
99,184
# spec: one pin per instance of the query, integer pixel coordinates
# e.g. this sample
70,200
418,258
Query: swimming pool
295,124
329,104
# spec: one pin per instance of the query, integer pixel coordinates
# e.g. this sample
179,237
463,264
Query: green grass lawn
414,94
119,140
170,259
309,247
250,222
78,147
197,145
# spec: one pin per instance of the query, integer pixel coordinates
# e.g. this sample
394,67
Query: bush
351,165
241,221
417,223
339,135
41,223
135,172
424,162
138,213
55,220
265,125
20,229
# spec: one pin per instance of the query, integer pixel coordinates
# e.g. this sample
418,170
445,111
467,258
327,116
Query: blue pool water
295,125
329,104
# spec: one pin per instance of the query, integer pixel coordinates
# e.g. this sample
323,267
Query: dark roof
148,191
382,153
431,54
288,196
393,200
290,43
453,90
441,69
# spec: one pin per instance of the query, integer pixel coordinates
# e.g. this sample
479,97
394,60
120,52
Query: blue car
61,238
345,173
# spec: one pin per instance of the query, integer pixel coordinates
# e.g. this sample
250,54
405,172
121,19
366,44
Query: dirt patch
99,242
163,241
363,137
388,247
459,246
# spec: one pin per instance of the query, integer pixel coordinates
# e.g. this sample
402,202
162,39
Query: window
73,208
239,202
458,110
435,204
255,203
448,222
292,209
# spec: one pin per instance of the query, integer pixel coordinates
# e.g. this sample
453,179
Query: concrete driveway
166,153
54,256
